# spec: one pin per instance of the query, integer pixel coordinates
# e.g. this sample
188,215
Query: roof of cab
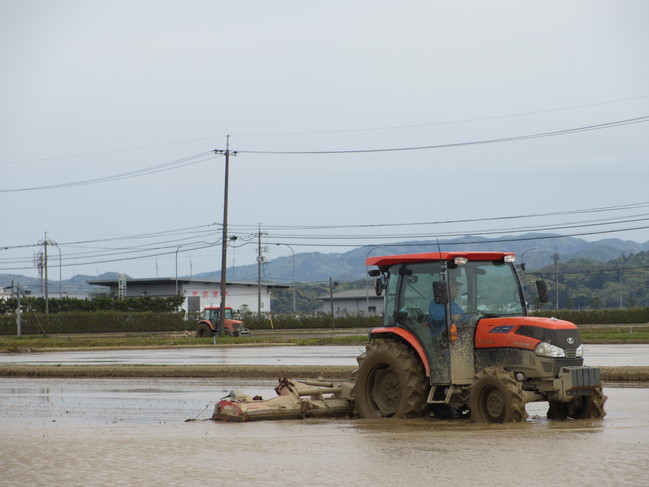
389,260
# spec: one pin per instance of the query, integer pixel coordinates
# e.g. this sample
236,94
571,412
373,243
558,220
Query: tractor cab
213,314
440,298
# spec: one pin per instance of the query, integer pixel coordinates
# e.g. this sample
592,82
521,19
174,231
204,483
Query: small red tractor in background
209,323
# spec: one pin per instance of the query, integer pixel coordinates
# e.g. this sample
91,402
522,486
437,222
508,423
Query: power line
199,158
464,220
179,231
205,230
448,122
167,250
187,236
167,166
337,131
101,153
575,130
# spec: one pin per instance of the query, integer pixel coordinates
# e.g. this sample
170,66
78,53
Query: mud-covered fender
408,337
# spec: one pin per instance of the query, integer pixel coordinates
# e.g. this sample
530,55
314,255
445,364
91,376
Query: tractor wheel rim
494,404
386,391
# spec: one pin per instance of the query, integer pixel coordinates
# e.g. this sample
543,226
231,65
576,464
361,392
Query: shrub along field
148,321
589,333
101,328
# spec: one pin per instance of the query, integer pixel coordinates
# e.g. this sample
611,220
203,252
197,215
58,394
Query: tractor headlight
544,349
579,353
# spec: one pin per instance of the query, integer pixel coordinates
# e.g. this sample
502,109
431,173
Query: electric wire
628,206
170,249
575,130
183,236
337,131
448,122
167,166
199,158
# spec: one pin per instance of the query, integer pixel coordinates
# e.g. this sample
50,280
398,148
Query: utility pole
332,283
41,261
260,260
18,308
47,300
555,256
224,242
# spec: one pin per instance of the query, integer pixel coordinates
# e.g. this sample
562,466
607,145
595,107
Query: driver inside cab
436,312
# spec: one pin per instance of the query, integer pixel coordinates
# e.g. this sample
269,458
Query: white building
198,293
353,302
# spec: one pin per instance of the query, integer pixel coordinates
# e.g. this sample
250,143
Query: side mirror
374,273
542,289
378,287
440,292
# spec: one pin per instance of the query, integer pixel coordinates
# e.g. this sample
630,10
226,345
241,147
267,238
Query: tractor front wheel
496,397
390,382
582,407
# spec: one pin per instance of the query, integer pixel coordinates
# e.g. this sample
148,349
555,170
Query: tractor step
295,400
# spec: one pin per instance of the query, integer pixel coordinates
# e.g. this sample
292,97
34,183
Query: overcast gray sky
95,89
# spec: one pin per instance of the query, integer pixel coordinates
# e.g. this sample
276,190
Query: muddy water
132,432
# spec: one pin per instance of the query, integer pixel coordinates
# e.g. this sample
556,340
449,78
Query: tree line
582,284
139,304
590,284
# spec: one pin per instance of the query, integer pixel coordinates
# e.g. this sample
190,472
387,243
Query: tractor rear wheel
582,407
496,397
390,382
204,330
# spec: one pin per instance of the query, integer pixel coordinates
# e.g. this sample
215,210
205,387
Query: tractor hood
526,332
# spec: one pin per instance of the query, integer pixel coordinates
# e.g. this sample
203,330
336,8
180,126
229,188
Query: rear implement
295,400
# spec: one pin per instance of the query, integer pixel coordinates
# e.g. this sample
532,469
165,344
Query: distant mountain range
535,249
75,285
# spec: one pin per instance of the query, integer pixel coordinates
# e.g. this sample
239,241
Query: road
595,355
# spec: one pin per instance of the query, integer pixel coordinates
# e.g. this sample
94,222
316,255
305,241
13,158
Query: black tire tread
413,380
511,388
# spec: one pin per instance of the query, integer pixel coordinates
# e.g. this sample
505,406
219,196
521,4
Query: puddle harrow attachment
295,400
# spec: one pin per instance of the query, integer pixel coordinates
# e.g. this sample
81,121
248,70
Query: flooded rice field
124,432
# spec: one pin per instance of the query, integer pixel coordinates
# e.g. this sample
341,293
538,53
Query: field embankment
331,372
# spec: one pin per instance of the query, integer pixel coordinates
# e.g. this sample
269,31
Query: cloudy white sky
94,89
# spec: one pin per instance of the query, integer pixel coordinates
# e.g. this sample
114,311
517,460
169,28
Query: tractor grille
571,353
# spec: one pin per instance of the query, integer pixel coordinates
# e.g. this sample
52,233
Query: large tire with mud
496,397
204,330
390,382
582,407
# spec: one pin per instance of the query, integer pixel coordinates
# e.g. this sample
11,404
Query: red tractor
209,323
457,341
